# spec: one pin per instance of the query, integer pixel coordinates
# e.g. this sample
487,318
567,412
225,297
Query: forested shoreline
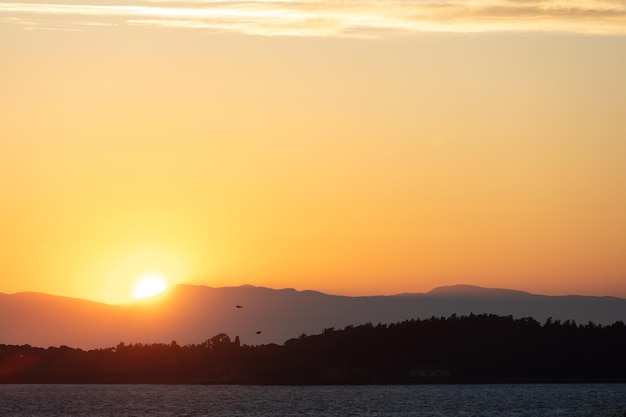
465,349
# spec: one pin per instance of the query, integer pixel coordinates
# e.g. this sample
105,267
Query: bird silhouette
258,332
239,306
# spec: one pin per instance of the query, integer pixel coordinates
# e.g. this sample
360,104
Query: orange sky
351,150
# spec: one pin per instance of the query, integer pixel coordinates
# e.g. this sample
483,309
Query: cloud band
378,18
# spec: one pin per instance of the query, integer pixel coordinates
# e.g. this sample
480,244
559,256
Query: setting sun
149,286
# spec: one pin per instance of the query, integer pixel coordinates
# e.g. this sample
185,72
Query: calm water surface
278,401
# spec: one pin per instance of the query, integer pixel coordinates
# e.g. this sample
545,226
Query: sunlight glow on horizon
148,286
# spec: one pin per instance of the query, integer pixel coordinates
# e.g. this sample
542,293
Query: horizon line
406,293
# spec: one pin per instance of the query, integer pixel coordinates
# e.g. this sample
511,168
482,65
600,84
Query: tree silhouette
474,348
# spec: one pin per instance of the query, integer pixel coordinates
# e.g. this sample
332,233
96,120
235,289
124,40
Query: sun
148,286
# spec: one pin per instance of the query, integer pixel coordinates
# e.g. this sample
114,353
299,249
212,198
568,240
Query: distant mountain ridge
192,314
473,290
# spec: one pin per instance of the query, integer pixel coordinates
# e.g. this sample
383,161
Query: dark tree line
474,348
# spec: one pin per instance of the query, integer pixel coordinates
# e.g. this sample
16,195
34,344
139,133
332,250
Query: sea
343,400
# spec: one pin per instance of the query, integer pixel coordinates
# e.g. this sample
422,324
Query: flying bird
239,306
258,332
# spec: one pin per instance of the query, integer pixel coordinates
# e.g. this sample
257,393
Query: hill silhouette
189,313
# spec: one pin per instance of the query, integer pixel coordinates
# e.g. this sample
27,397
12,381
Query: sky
350,147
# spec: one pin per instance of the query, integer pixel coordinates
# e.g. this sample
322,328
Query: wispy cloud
331,17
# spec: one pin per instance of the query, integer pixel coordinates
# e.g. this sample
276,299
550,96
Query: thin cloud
375,18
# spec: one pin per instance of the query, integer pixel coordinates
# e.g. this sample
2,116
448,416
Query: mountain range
192,314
